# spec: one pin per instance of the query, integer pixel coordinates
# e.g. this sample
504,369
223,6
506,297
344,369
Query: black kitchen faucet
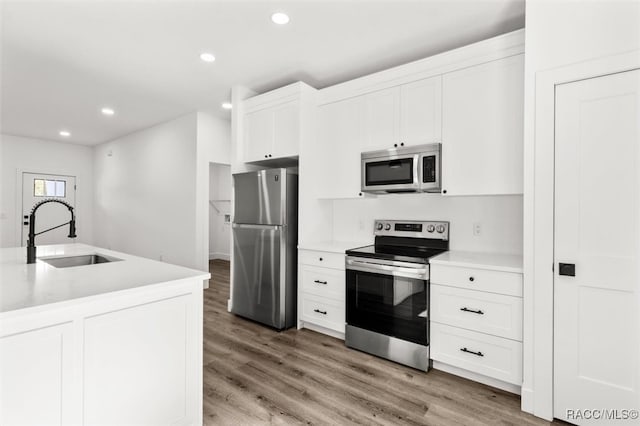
31,244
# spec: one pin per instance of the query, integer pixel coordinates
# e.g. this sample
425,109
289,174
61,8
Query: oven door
389,298
391,174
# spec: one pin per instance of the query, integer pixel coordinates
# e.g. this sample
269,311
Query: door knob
568,269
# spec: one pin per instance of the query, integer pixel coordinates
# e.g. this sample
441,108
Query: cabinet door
286,130
37,377
482,128
421,111
147,354
258,134
381,119
336,173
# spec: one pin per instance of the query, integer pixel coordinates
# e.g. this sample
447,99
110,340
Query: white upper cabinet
272,123
421,111
482,128
336,165
258,134
404,115
381,129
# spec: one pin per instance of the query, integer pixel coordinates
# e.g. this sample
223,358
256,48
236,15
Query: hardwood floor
254,375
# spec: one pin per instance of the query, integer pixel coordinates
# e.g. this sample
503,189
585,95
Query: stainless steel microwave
407,169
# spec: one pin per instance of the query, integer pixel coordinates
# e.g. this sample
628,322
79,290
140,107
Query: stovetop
406,241
396,253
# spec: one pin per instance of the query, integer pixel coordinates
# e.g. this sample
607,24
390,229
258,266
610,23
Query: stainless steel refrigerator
265,234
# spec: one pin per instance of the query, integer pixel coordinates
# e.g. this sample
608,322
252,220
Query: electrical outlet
477,229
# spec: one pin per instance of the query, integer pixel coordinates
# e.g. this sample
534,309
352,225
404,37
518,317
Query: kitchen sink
82,260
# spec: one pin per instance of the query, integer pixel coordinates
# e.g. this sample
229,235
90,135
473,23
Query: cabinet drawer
322,258
509,283
323,282
490,313
323,312
477,352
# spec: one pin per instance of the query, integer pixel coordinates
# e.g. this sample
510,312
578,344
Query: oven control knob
440,229
387,227
379,226
431,228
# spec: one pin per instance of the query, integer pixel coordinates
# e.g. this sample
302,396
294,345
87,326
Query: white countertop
479,260
333,246
25,286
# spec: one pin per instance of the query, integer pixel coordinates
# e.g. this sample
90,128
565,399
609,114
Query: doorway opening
219,215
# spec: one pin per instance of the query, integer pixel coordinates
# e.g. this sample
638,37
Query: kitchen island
118,342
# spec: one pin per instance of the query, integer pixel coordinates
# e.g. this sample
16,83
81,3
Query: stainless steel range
388,290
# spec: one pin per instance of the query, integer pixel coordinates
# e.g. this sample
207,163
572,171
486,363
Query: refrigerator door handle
252,226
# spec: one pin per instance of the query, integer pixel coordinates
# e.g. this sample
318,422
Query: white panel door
421,111
597,229
39,187
36,371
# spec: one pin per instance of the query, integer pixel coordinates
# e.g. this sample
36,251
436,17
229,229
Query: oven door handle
421,273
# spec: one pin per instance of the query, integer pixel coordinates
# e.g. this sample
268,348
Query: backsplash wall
500,218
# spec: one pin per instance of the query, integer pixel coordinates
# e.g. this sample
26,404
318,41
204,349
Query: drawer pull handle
472,352
465,309
320,312
471,279
319,282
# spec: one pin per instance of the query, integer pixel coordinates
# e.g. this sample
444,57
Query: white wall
558,33
500,218
18,154
145,196
152,189
220,205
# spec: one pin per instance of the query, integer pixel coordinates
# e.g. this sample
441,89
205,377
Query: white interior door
597,229
39,187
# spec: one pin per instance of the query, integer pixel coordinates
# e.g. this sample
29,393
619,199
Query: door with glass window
39,187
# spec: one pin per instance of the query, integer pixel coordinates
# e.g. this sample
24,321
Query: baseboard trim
223,256
489,381
526,400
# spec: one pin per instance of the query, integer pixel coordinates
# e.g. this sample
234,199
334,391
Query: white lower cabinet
321,291
476,319
131,357
36,367
480,353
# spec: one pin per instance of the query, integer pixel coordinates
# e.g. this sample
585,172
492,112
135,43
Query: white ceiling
63,60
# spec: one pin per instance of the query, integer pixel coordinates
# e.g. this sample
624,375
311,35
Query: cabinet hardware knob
395,145
319,282
26,216
269,155
402,144
465,309
320,312
471,279
266,156
360,194
320,259
444,191
25,223
472,352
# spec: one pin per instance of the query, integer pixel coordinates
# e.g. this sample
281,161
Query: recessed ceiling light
207,57
227,105
107,111
280,18
64,133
